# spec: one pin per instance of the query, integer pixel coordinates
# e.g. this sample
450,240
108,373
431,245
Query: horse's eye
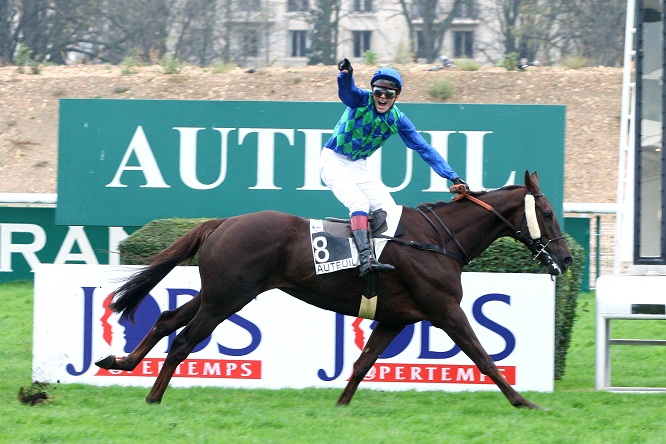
548,216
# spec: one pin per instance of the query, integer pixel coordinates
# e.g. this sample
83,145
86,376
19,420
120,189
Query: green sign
127,162
29,237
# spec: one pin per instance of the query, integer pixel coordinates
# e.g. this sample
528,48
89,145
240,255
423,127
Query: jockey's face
384,98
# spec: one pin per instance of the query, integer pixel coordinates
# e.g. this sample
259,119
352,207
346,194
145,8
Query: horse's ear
532,182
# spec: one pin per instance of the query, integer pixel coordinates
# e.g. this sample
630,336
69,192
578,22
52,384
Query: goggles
378,92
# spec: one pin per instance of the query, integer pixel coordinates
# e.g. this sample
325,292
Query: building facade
280,32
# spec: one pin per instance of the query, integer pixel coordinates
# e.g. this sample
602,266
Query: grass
576,412
441,90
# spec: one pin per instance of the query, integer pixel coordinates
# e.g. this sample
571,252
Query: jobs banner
277,341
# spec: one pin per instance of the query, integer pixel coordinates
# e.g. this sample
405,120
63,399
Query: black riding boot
367,261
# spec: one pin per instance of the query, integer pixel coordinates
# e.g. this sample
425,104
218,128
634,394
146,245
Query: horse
243,256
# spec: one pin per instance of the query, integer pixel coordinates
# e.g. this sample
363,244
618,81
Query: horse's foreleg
456,325
379,339
167,323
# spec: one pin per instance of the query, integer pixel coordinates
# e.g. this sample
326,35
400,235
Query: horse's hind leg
456,325
379,339
207,318
167,323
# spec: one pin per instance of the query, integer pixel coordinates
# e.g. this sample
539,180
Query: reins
534,243
432,247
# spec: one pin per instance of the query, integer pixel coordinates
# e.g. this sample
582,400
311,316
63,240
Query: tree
595,30
125,26
48,29
547,30
437,17
8,40
522,27
324,18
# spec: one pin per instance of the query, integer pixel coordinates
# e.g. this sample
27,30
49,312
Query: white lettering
265,154
474,160
231,366
147,164
247,369
188,157
383,371
7,248
313,146
212,368
465,374
76,235
445,374
140,150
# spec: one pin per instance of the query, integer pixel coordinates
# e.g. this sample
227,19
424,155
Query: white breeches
353,184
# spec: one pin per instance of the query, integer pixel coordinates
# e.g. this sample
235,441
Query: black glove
456,188
345,64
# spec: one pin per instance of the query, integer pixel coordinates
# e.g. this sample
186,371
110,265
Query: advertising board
29,237
165,158
277,341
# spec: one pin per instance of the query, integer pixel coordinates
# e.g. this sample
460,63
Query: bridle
533,242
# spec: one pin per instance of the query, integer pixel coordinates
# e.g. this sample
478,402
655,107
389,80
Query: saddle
342,227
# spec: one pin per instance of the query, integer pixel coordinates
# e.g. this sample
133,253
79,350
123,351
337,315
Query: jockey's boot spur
367,261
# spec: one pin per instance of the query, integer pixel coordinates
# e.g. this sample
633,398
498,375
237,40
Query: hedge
505,255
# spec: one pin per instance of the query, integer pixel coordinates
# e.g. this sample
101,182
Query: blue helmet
387,77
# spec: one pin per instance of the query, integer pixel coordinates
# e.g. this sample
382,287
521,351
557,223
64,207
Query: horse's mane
476,193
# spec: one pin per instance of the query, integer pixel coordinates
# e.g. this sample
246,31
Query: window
361,42
463,44
417,11
466,10
420,53
299,43
298,5
362,6
650,164
250,43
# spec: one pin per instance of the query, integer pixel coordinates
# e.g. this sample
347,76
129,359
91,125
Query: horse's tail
128,297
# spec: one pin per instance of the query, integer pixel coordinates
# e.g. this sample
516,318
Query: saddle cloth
333,248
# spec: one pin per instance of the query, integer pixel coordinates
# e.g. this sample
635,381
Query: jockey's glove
459,181
345,64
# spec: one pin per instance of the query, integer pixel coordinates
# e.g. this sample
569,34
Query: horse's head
544,236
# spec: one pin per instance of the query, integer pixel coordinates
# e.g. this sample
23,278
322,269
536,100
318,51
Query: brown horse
243,256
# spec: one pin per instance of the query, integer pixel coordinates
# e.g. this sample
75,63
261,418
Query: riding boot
367,261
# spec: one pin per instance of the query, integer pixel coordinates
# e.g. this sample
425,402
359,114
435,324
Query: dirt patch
29,112
35,394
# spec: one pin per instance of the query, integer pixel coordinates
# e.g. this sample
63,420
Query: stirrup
374,266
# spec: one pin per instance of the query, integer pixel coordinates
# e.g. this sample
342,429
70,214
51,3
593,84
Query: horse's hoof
150,400
531,406
106,362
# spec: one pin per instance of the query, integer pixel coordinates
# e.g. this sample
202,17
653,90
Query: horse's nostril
568,261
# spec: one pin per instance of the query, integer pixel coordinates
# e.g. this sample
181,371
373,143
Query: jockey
371,117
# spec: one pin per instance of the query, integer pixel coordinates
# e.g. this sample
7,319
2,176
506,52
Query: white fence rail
28,198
